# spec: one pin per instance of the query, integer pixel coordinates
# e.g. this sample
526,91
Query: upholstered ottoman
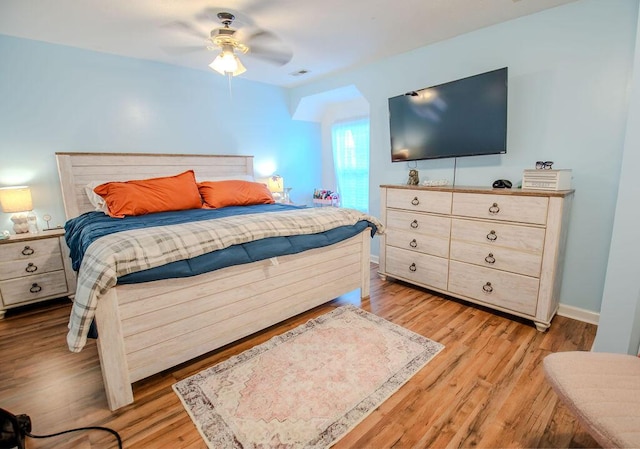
603,390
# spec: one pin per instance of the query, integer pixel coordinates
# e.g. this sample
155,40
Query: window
351,162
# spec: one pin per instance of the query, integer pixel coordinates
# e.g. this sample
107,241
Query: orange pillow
147,196
234,193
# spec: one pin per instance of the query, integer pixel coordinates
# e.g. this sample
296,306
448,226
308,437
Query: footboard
147,328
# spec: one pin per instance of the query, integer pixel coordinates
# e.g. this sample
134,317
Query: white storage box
546,179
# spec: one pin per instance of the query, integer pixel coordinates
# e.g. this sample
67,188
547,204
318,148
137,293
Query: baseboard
374,259
576,313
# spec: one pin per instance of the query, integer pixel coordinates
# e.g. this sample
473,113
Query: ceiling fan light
223,63
228,63
241,68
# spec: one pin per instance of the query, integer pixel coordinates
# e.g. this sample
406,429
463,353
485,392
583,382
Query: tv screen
466,117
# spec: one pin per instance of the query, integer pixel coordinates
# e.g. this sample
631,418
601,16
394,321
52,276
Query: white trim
579,314
375,259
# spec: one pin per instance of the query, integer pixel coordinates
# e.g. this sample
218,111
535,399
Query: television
466,117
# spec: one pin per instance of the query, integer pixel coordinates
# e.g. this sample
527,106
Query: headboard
76,170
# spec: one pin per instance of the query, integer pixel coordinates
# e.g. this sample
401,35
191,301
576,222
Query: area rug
307,387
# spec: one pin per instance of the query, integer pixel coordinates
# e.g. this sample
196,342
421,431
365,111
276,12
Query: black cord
106,429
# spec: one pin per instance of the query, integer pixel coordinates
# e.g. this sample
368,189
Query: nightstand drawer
419,268
31,266
523,209
26,289
507,290
29,249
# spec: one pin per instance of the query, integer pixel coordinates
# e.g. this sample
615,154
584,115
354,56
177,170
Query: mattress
82,231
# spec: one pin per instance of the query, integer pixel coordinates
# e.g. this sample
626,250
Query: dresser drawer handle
490,258
414,224
487,287
31,268
35,288
413,243
494,209
415,201
27,251
412,267
492,236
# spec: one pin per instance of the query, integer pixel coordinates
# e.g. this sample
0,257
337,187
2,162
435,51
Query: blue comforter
85,229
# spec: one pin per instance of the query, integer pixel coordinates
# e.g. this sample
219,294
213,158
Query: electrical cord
106,429
14,428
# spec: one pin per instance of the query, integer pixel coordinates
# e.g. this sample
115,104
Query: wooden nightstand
34,268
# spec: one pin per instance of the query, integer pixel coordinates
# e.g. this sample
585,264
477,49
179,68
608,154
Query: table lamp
17,200
275,184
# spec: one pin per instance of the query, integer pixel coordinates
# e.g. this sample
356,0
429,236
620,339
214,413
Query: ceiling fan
230,42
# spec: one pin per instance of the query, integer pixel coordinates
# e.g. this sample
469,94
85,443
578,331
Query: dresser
34,268
500,248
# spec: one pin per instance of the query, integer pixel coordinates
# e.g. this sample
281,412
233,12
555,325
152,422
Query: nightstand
34,268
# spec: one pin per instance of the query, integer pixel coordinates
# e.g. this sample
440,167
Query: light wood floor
485,389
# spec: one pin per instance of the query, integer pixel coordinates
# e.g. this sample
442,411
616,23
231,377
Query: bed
184,318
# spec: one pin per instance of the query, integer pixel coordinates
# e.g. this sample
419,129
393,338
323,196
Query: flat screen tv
466,117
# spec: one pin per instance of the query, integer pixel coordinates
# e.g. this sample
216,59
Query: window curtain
351,161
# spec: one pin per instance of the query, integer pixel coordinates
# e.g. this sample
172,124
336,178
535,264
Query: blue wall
569,72
57,98
619,326
570,69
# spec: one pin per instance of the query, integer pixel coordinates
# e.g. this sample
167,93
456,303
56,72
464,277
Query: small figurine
414,179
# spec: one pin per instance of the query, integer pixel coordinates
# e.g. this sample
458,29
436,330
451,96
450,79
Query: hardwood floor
485,389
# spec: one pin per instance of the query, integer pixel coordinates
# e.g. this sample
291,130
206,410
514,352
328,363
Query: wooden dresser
34,268
500,248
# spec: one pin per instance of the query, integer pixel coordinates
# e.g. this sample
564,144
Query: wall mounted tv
466,117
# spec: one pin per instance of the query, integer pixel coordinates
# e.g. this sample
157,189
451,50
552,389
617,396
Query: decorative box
546,179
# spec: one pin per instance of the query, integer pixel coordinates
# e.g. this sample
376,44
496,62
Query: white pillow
96,200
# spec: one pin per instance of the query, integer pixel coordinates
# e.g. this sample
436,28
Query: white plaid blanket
126,252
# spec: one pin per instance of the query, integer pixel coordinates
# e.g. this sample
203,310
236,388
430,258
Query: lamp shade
15,199
228,63
275,184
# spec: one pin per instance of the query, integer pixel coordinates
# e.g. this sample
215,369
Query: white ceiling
325,36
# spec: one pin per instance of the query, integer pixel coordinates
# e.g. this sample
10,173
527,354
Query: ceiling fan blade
269,47
187,28
184,50
208,15
274,56
261,37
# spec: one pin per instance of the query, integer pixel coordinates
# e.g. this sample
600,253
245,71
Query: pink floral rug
308,387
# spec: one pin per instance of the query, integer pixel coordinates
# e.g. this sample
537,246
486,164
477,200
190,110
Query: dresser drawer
31,266
506,290
523,209
416,267
30,249
498,258
422,243
415,223
419,200
524,238
26,289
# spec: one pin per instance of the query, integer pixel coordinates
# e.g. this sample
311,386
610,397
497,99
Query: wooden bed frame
150,327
